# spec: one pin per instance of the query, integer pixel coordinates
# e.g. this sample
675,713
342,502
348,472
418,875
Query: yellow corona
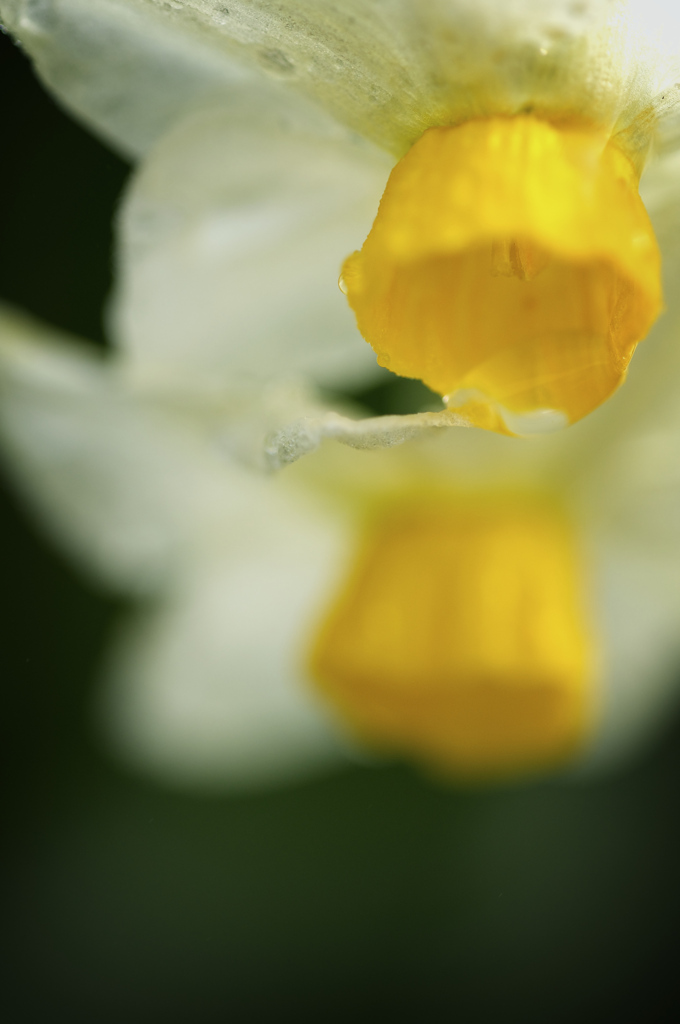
512,268
460,638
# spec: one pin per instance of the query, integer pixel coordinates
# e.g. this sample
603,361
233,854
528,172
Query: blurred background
372,893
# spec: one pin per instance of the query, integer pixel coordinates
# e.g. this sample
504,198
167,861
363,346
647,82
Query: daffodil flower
481,607
511,266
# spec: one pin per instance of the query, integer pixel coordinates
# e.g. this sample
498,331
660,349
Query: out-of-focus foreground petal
231,241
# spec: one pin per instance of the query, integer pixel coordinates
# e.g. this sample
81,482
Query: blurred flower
270,130
481,606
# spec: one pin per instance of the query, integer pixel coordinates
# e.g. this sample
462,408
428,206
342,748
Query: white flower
234,570
270,129
268,132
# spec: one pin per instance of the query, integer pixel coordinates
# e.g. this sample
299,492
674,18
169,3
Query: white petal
232,239
132,492
209,690
638,615
120,65
391,68
628,501
387,68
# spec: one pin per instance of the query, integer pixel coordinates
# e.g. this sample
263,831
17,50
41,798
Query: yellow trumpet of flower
512,268
462,637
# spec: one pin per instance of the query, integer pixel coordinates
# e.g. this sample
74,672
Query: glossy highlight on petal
460,638
511,267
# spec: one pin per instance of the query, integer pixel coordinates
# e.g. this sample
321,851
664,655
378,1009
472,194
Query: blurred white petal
636,606
208,688
232,238
120,65
129,491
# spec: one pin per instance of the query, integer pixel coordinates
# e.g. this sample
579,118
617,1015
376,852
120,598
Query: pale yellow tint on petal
511,267
460,638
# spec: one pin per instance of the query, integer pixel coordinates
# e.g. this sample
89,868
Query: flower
274,609
270,130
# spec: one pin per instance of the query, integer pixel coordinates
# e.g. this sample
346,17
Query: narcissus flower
479,606
512,266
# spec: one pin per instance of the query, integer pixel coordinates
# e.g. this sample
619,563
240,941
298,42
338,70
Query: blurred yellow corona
512,268
460,639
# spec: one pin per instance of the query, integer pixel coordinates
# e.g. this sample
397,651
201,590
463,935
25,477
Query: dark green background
369,896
